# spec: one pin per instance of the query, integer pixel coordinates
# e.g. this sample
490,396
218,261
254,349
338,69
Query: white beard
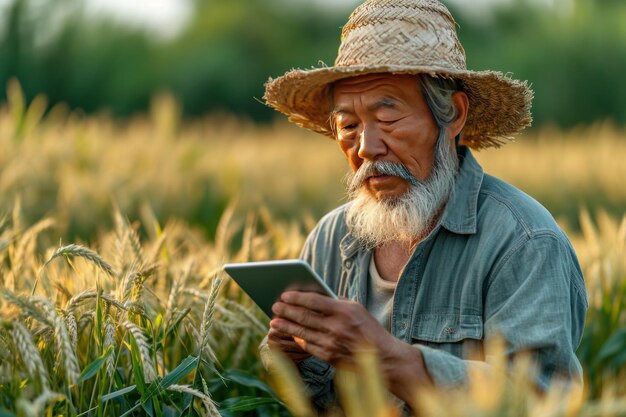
409,216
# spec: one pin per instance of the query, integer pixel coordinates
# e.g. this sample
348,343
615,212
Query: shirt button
348,264
448,330
403,325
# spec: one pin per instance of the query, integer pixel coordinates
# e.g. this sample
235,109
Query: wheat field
113,236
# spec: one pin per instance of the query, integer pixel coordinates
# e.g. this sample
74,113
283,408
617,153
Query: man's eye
349,127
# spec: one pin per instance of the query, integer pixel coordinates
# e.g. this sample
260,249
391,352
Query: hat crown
418,33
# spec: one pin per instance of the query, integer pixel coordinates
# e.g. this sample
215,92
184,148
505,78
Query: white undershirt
379,296
380,303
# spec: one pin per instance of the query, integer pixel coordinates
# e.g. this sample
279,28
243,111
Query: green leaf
130,410
148,408
245,403
118,393
92,369
181,371
248,380
137,364
6,413
174,325
615,344
618,360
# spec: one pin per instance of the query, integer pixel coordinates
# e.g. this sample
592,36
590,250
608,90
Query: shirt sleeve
536,300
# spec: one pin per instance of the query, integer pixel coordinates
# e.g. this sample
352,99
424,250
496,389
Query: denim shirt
497,263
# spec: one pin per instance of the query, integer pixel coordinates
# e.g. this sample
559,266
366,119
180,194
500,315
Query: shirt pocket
458,334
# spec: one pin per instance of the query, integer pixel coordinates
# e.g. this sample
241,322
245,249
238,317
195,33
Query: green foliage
603,348
573,56
153,333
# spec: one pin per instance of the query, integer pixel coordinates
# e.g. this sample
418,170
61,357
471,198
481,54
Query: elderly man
431,256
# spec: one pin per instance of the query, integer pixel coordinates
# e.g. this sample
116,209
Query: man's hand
286,343
334,330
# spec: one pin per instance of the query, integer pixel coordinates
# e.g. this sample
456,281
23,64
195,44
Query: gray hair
437,92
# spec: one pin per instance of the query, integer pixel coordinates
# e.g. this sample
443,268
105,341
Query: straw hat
405,37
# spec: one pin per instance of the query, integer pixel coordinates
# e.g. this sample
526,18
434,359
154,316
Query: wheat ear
27,306
149,372
81,297
207,316
70,322
66,355
172,301
30,354
28,239
37,407
109,341
206,400
65,352
83,252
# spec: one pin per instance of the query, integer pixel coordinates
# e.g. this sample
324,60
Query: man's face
384,117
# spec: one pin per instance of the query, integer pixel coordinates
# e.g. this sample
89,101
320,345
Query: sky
165,18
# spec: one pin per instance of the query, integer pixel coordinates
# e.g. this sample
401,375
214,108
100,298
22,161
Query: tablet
264,282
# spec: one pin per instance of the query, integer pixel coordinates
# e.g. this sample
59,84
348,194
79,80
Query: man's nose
371,143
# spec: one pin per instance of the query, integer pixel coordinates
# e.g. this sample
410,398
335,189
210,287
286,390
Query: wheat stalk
83,252
127,286
206,400
109,341
70,322
65,353
135,244
207,316
149,372
241,350
156,249
120,240
195,293
260,327
36,407
84,320
83,296
27,245
133,284
30,354
172,301
27,306
79,298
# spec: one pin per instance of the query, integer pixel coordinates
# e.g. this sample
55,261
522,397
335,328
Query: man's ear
461,102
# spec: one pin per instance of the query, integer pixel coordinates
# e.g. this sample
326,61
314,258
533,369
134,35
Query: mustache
374,168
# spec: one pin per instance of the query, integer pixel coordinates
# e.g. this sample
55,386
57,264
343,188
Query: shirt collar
460,214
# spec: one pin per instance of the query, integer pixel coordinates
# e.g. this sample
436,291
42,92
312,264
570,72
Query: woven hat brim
499,107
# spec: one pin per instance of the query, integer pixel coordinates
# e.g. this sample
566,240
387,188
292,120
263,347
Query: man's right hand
286,344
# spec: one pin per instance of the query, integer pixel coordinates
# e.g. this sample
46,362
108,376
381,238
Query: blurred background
157,102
